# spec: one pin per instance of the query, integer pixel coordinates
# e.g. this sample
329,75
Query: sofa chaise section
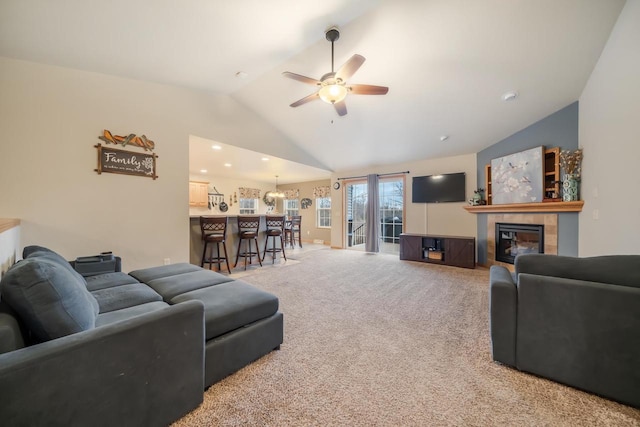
242,322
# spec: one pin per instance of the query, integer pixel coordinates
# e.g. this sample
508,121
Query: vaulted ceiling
447,63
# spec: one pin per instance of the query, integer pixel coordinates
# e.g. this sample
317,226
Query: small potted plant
478,197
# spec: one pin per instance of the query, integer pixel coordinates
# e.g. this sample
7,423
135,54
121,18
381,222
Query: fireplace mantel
528,207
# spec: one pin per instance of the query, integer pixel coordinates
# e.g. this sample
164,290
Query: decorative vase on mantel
570,188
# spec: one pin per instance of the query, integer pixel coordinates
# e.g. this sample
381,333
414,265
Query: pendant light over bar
276,193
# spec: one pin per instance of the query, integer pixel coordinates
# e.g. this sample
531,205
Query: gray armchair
572,320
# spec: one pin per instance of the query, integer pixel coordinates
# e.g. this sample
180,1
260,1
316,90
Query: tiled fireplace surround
550,222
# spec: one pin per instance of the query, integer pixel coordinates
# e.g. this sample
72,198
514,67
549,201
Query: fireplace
516,239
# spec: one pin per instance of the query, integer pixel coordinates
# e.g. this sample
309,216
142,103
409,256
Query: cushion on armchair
49,298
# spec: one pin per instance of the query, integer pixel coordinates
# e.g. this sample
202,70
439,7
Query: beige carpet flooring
374,341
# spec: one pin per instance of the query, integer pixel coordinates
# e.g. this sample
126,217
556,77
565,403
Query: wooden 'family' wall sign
114,160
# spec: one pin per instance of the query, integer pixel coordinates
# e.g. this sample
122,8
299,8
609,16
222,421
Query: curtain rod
380,174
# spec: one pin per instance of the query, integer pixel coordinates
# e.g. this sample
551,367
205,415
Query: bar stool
275,228
248,227
214,230
290,232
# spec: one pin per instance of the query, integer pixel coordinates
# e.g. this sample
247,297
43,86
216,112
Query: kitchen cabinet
198,194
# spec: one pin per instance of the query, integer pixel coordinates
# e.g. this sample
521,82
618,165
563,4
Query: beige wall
422,218
609,114
309,230
50,119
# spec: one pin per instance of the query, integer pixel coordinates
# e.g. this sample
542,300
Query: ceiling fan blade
368,90
306,99
341,108
300,78
350,67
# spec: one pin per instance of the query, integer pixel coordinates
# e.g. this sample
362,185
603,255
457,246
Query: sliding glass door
391,206
391,214
356,206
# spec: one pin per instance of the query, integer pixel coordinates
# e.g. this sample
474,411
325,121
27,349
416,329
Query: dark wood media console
447,250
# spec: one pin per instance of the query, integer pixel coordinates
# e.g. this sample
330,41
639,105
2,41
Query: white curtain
372,214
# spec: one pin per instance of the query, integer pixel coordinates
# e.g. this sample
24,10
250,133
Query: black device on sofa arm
105,262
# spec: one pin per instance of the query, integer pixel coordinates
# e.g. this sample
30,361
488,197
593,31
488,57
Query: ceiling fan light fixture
332,93
332,87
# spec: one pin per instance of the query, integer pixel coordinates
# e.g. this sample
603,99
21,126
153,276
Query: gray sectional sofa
572,320
122,349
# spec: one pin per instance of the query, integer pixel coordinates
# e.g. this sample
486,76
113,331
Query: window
323,212
248,206
291,207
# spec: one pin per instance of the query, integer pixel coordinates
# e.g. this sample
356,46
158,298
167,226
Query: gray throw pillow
49,298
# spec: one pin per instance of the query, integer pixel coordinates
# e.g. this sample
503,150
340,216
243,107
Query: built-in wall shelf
528,207
7,223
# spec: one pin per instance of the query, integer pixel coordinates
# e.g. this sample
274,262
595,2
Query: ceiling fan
333,87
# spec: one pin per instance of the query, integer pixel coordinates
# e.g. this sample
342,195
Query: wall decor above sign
131,139
114,160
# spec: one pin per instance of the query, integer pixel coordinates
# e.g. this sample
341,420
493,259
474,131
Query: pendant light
276,193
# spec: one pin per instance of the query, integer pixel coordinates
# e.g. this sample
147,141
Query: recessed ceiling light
265,159
510,96
444,138
216,147
203,171
227,165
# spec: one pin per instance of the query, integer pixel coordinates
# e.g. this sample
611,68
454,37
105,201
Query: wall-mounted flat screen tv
439,188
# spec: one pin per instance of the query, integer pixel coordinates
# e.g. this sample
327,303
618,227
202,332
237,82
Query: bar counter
196,244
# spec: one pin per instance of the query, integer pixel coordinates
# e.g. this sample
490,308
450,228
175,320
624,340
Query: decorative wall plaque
114,160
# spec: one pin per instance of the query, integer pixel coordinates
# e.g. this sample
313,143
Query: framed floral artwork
518,177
